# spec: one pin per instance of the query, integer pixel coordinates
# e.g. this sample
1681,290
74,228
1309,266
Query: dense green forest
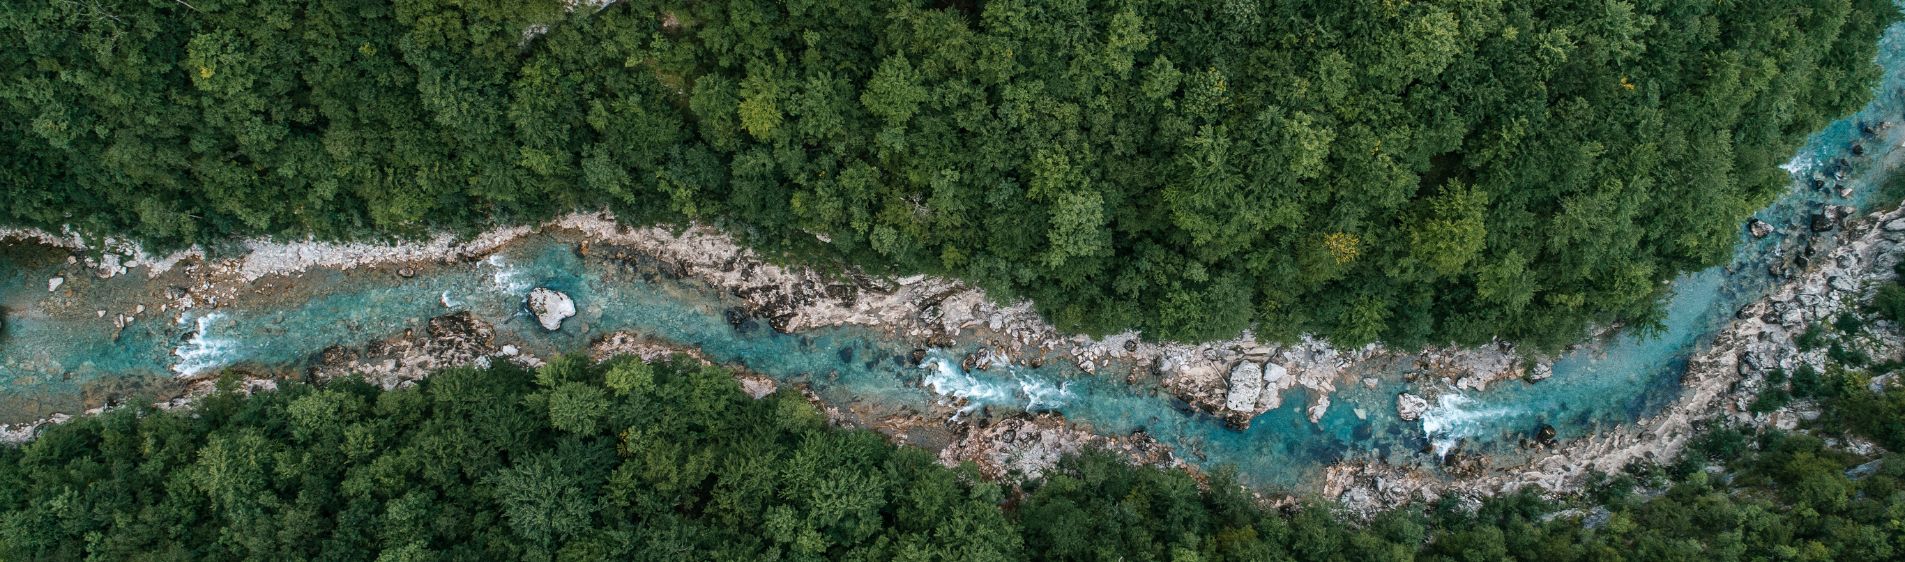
671,461
1415,172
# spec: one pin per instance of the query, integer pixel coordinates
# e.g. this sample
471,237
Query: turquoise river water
57,353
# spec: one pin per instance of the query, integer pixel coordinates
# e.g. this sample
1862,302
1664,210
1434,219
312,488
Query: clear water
57,354
1635,375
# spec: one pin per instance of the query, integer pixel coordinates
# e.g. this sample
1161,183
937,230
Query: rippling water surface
58,349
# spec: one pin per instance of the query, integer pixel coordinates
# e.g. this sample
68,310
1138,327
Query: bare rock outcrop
551,307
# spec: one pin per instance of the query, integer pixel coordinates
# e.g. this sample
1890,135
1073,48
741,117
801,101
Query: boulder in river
1759,228
550,307
1410,407
1545,435
1822,222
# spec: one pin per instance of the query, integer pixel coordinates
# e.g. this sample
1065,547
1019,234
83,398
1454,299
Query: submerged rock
1410,407
550,307
1822,222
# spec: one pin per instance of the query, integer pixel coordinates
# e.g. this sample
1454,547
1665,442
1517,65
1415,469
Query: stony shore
1236,379
1720,383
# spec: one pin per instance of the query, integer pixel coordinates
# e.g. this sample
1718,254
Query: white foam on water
205,351
1801,163
1042,394
1454,416
947,379
508,277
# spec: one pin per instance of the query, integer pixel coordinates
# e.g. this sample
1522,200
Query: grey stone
551,307
1246,385
1759,228
1410,407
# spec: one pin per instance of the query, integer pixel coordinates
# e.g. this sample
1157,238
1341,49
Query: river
63,349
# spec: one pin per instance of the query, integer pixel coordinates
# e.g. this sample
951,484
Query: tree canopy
626,460
1415,172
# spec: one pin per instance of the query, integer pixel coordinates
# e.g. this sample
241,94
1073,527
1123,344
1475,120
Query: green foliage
1848,323
1413,172
629,377
1810,339
1889,302
676,463
466,467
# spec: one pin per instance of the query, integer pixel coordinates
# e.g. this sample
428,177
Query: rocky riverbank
1720,384
1236,380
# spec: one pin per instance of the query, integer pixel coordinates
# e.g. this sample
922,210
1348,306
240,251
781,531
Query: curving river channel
63,350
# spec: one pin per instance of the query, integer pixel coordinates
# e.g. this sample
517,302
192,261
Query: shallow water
58,353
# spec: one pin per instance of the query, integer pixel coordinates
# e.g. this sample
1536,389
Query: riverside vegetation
672,461
1408,172
1417,173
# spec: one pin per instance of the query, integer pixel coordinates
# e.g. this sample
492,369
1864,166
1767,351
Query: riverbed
76,340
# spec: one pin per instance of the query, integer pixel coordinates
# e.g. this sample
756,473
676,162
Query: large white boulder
550,307
1246,385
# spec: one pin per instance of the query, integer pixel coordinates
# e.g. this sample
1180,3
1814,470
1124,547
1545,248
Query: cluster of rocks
1478,367
1030,445
105,258
1241,381
1767,331
1721,382
450,340
1830,266
1237,379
